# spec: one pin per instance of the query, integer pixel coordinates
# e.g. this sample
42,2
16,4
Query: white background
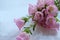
10,9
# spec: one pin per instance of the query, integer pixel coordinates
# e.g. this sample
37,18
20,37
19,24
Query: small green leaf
25,19
29,17
27,30
57,3
57,20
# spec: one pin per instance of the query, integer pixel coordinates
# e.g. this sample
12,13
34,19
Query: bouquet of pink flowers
43,14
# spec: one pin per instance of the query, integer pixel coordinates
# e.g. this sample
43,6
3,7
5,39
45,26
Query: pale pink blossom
41,4
23,36
19,22
32,9
52,9
51,23
50,20
38,16
49,2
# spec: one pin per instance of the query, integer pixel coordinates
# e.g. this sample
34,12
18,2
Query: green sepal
57,20
26,18
57,3
27,30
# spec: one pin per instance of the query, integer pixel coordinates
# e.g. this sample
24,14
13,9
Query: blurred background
10,9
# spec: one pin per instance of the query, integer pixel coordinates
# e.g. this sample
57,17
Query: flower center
50,9
50,20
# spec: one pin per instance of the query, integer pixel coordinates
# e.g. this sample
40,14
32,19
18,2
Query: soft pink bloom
38,16
41,4
19,23
52,9
50,20
19,38
23,36
51,23
49,2
32,9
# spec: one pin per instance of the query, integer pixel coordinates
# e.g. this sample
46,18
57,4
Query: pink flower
19,38
50,20
40,4
38,16
53,10
51,23
19,23
49,2
23,36
32,9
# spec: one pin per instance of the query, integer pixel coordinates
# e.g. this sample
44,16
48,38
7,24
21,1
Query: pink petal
49,2
19,23
40,4
19,38
50,20
52,9
32,9
38,16
23,36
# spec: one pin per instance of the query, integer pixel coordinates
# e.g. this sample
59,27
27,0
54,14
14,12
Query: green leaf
27,30
29,17
57,3
25,19
57,20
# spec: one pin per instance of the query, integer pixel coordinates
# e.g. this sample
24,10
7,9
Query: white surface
11,9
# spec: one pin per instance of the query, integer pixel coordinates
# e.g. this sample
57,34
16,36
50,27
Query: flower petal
23,36
19,23
32,9
38,16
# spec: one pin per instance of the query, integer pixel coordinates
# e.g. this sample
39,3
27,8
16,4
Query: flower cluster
44,14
